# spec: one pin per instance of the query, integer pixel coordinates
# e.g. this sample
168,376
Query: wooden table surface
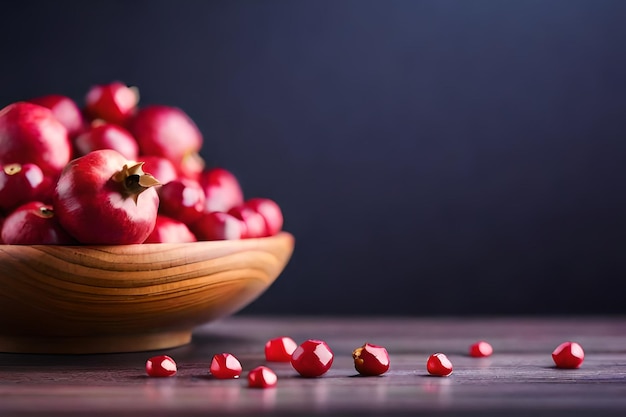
518,379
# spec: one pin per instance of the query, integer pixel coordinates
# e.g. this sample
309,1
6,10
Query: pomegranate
191,166
107,136
104,199
168,230
182,199
34,223
270,211
217,225
221,188
114,102
29,133
169,132
159,167
255,223
65,110
19,184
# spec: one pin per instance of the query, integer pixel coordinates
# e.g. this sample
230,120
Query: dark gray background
431,157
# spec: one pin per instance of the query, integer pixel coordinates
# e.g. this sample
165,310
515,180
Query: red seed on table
161,366
312,358
438,364
262,377
225,366
371,360
280,349
480,349
568,355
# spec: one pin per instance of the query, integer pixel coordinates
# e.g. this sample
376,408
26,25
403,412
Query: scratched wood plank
517,380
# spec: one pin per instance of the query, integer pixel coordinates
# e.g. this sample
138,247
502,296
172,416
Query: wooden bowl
97,299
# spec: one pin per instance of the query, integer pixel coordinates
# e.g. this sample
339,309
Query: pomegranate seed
480,349
161,366
568,355
312,358
280,349
262,377
439,365
225,366
371,360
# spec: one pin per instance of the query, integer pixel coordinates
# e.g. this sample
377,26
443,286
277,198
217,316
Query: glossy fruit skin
218,226
161,366
168,132
480,349
29,133
168,230
280,349
96,209
438,364
160,168
65,110
222,190
262,377
107,136
255,223
312,359
20,184
225,366
271,213
114,102
191,166
34,223
371,360
182,199
568,355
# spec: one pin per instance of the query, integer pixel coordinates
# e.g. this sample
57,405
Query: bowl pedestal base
95,344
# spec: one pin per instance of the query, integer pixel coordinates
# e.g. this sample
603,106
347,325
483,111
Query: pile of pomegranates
114,173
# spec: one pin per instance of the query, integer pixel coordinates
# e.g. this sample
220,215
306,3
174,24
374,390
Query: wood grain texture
56,299
519,379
